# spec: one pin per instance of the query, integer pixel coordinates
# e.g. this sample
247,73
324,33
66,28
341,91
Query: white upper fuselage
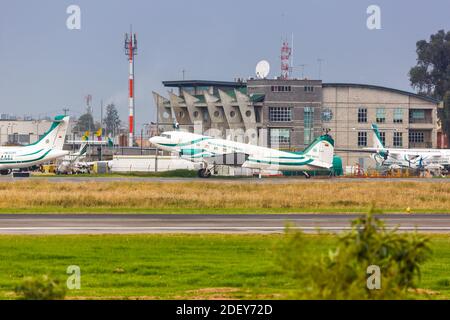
48,148
25,157
197,147
414,158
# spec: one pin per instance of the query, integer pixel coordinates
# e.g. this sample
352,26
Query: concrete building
22,131
405,119
289,114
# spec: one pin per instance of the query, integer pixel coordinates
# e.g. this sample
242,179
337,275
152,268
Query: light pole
1,134
37,130
142,134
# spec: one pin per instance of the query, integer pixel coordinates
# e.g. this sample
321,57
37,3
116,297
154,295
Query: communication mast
131,51
88,99
286,52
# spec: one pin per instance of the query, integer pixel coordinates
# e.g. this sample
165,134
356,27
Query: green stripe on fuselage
184,144
282,163
30,154
26,161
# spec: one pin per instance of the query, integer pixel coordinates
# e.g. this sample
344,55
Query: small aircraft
211,151
47,148
71,162
409,158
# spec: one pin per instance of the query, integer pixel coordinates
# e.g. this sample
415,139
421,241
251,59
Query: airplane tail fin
55,136
82,151
321,149
377,143
110,142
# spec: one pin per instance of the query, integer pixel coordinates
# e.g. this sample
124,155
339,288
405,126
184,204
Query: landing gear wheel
204,173
306,174
5,172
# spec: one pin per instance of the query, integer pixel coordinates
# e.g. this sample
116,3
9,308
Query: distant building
23,132
289,114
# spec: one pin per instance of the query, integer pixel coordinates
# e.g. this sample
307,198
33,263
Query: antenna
285,60
88,99
262,69
292,52
303,69
319,61
131,51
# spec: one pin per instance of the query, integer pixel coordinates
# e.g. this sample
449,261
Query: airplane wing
365,150
229,159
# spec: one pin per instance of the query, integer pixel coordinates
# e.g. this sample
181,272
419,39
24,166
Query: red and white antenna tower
131,51
286,52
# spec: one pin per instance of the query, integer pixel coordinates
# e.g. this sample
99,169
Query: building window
308,121
309,89
362,115
381,115
416,137
398,115
362,139
420,116
383,137
280,114
281,88
280,137
398,139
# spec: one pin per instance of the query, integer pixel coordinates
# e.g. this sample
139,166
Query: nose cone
154,141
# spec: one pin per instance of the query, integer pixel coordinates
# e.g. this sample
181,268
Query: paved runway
171,223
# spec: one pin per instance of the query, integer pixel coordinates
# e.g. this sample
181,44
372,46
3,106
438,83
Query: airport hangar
289,114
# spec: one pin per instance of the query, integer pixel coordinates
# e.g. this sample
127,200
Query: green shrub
342,273
41,288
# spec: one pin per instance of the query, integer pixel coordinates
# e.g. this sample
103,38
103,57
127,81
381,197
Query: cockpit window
167,136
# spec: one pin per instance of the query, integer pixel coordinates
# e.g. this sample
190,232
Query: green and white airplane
409,158
211,151
47,148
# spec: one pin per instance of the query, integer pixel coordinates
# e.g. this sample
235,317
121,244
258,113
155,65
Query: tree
112,120
85,123
431,75
343,272
41,288
444,115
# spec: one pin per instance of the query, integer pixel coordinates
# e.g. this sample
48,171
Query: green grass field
176,266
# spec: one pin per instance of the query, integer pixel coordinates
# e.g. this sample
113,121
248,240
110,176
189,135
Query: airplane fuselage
25,157
414,158
202,148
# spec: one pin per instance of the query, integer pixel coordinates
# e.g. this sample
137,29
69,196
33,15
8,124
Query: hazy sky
44,66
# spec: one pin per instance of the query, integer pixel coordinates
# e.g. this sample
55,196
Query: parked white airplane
212,151
48,148
71,162
410,158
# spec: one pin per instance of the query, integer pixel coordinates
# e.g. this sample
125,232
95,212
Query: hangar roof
203,83
369,86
